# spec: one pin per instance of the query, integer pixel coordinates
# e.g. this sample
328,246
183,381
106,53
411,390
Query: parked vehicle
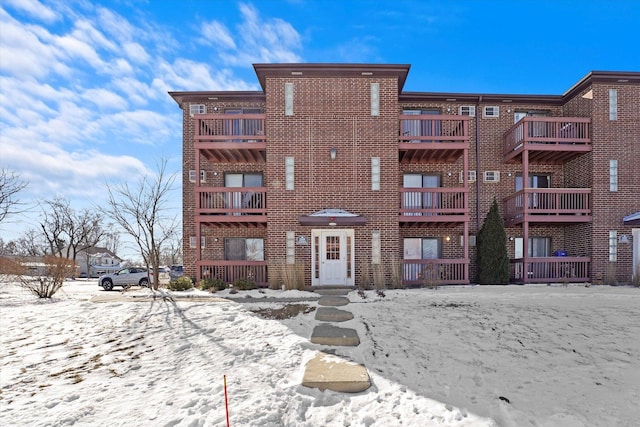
176,271
125,278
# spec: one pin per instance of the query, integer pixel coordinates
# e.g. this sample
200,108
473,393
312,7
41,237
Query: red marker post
226,399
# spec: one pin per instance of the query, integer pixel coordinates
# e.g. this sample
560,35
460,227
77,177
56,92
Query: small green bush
212,285
181,284
244,284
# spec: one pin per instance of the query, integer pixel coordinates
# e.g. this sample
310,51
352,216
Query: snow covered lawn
459,356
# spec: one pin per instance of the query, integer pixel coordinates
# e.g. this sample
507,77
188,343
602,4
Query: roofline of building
207,96
332,70
400,71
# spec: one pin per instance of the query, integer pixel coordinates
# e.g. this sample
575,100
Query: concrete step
327,334
334,301
332,314
333,291
327,372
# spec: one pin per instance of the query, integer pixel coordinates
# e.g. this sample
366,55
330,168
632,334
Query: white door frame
339,270
635,236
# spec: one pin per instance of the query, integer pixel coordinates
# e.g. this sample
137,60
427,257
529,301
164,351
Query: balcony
218,206
435,272
231,138
229,271
550,270
549,140
442,205
548,205
429,138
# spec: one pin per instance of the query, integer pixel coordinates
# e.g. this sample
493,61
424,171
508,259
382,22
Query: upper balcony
435,206
231,138
549,140
218,206
548,205
431,138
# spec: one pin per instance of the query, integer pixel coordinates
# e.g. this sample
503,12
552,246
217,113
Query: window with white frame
467,110
471,177
613,104
613,175
192,176
491,111
192,242
243,249
491,176
197,109
613,246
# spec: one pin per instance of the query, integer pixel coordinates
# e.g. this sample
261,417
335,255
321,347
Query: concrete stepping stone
332,314
333,301
327,372
327,334
334,292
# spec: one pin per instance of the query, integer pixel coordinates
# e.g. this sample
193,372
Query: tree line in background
139,209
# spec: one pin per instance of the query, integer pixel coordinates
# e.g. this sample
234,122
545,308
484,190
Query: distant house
34,265
97,261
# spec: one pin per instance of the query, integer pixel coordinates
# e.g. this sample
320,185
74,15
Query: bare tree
10,186
141,211
172,252
30,244
111,240
67,231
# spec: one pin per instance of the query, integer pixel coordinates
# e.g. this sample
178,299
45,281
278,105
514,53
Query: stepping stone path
329,372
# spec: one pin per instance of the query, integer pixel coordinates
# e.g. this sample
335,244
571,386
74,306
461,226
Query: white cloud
105,99
185,74
136,52
215,33
34,9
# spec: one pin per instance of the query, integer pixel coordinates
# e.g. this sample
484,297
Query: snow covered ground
459,356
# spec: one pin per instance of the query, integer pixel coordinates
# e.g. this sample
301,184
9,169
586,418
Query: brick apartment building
334,168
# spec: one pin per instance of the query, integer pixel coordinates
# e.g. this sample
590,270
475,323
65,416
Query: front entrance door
333,257
635,235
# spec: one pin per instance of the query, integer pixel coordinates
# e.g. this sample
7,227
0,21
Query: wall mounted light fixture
333,153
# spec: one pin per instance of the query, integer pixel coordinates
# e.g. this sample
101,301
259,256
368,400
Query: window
289,164
192,176
291,248
420,248
375,99
417,202
197,109
539,247
422,126
244,199
613,175
192,242
491,176
470,178
243,126
243,249
613,246
467,110
491,111
375,173
288,99
613,104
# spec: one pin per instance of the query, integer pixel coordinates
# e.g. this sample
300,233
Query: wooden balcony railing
430,128
552,202
433,272
550,269
561,132
429,138
229,271
433,201
229,128
231,201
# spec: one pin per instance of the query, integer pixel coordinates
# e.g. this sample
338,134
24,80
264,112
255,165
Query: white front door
635,235
333,253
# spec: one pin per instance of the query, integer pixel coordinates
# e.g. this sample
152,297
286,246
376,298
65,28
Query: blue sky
83,84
